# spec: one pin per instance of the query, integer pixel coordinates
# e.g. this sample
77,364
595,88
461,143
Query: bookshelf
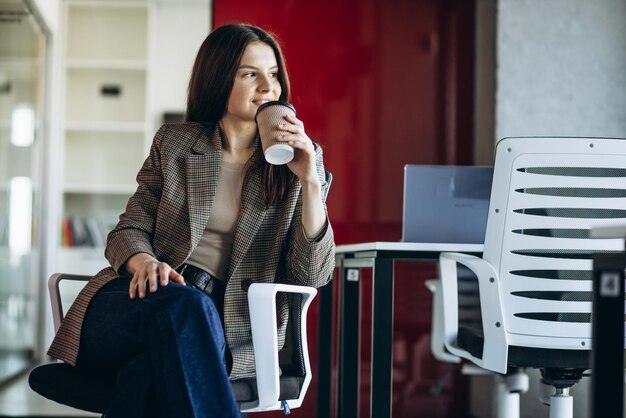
106,129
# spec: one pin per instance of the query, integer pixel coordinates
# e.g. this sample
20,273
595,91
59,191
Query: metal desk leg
325,346
350,343
382,338
607,356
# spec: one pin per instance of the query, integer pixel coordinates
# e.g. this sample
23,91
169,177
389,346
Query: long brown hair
211,83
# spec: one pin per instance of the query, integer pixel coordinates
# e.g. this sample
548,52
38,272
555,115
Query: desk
379,256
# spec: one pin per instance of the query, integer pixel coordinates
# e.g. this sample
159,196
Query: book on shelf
67,237
96,231
84,232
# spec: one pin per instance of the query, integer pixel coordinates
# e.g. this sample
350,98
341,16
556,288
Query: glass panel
22,46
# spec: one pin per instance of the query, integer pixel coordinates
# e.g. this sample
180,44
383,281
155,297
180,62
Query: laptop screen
446,204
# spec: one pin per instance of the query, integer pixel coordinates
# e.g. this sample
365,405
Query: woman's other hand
303,166
303,163
147,271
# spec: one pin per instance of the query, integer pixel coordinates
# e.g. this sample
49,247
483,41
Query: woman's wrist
135,261
312,184
313,214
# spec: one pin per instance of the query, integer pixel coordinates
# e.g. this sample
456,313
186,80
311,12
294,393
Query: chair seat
472,340
69,386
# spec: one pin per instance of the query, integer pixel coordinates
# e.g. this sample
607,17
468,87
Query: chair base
561,404
508,403
560,369
561,378
508,390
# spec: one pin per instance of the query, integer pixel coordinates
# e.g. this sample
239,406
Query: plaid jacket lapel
203,169
251,217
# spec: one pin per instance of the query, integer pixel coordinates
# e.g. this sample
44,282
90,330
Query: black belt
205,282
198,278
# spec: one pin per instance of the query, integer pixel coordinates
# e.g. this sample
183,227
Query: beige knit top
213,252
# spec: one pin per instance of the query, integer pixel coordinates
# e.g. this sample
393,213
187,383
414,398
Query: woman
209,217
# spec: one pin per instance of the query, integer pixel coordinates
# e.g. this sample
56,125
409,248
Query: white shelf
100,159
81,260
120,189
87,126
86,102
105,127
117,4
109,64
87,252
19,62
106,74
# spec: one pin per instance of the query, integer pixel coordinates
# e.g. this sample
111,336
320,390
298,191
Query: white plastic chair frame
508,388
547,194
262,305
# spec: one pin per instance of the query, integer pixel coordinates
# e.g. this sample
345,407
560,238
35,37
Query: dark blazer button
245,285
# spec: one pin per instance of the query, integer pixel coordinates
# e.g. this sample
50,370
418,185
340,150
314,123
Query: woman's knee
190,316
193,300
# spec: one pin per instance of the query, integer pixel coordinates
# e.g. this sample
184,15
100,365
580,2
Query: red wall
380,84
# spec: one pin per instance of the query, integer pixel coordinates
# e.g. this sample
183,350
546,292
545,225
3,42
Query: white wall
561,68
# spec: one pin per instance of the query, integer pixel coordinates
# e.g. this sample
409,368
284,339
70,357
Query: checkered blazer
166,218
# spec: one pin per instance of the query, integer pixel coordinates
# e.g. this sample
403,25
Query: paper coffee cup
268,116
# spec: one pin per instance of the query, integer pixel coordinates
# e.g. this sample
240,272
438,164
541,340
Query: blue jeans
166,351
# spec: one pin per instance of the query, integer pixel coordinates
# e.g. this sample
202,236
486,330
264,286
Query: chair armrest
55,295
437,345
493,358
262,306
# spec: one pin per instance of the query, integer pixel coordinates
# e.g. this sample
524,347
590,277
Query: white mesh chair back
547,194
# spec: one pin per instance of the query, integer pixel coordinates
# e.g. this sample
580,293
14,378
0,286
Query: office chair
276,386
535,276
509,386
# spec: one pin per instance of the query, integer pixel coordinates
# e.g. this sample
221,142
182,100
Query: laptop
446,204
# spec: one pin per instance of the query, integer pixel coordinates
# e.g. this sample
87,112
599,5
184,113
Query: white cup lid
279,154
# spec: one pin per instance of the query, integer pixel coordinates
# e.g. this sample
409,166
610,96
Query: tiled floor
18,400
